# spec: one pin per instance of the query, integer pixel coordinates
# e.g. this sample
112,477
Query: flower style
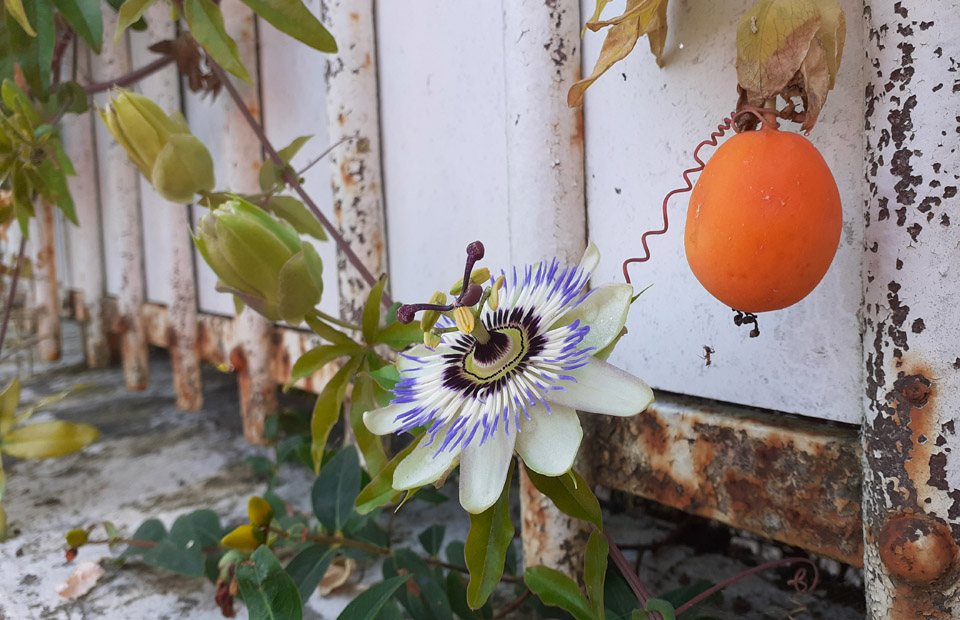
514,382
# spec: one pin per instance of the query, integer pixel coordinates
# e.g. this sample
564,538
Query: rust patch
917,548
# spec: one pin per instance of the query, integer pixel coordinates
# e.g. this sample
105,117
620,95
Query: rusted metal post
163,87
119,194
911,478
241,152
85,247
46,287
353,110
547,214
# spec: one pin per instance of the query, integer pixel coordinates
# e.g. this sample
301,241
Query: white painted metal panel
642,123
292,93
156,213
444,147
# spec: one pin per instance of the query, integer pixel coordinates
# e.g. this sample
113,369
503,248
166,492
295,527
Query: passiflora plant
484,377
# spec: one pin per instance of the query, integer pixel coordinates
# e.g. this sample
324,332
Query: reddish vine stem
713,140
292,180
514,606
633,580
798,580
13,292
134,76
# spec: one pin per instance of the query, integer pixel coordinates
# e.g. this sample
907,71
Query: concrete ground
155,461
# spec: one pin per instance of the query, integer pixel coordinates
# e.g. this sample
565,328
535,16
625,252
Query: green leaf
570,494
85,19
370,445
46,440
309,567
169,556
456,586
151,530
296,20
557,590
486,548
206,26
182,551
371,311
379,491
74,97
328,333
386,377
336,488
130,13
429,599
664,607
34,54
326,412
681,595
432,539
15,10
298,215
595,569
268,591
399,336
199,529
57,184
456,553
315,359
368,604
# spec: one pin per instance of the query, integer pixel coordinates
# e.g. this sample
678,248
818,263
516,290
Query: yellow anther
477,276
494,301
429,317
464,319
431,339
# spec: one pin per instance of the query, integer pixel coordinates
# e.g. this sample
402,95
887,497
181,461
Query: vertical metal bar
163,87
353,110
45,284
119,193
242,151
547,214
911,450
84,242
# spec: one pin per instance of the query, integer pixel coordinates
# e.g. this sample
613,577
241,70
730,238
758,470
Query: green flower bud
261,260
245,538
227,561
169,156
260,511
76,538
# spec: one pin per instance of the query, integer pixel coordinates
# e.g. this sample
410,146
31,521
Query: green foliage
206,25
294,19
371,311
556,589
595,570
85,18
490,535
309,567
183,549
335,489
570,494
379,491
268,591
362,400
368,604
428,599
326,412
129,14
33,52
432,539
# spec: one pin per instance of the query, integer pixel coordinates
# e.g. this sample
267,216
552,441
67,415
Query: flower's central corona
481,386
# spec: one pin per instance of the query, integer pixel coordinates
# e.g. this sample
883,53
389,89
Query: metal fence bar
547,213
171,222
45,282
119,194
353,110
84,243
911,450
242,151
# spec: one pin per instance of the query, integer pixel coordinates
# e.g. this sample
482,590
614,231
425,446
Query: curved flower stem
639,590
515,605
134,76
13,292
323,316
756,569
291,179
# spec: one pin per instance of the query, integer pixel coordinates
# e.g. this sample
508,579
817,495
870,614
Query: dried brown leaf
623,34
772,40
816,83
832,34
81,581
657,32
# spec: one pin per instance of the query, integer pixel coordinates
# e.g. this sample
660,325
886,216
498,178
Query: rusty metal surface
792,480
47,290
911,465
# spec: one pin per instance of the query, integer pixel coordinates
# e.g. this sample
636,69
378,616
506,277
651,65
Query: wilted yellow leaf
8,405
596,14
48,439
15,8
832,34
772,41
625,30
657,32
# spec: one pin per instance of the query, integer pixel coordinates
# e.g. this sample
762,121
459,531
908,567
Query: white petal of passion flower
425,465
483,470
591,258
383,421
604,388
548,441
605,311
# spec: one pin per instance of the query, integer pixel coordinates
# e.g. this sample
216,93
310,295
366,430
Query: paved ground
155,461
